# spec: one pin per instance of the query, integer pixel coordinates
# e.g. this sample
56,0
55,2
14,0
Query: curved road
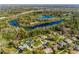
22,13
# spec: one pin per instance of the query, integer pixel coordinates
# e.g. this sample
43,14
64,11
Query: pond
14,23
45,17
47,24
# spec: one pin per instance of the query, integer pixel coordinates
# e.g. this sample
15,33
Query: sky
39,1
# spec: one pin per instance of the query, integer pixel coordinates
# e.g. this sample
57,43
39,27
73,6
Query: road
21,13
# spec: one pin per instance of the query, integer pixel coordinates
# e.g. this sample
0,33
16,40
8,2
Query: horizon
41,5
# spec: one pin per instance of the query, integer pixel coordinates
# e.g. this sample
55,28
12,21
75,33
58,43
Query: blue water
47,24
14,23
45,17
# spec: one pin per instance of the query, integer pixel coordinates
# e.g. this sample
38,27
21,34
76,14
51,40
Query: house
68,41
76,47
62,43
48,50
43,36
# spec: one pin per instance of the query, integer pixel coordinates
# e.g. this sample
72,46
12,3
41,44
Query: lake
14,23
45,17
47,24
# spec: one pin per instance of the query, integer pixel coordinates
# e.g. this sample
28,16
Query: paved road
28,12
3,17
21,13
